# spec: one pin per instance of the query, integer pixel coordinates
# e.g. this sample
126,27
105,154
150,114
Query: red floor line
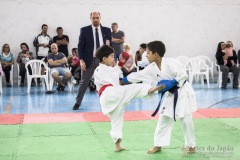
99,117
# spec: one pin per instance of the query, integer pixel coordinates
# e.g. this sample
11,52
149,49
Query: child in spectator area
129,65
231,44
74,63
26,57
235,53
179,101
231,53
232,56
114,97
123,58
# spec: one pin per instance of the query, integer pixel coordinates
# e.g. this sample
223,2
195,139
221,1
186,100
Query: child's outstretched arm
145,75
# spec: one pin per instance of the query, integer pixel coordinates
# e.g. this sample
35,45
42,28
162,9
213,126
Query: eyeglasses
5,47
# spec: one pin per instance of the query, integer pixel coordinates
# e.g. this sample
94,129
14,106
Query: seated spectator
7,60
22,59
57,61
124,56
138,57
141,57
74,63
129,65
227,61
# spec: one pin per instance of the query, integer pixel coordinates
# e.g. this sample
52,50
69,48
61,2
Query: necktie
97,39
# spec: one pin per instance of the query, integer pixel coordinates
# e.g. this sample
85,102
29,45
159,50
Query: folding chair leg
220,80
207,77
212,76
0,84
29,85
202,80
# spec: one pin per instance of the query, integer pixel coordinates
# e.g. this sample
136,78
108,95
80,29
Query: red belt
103,88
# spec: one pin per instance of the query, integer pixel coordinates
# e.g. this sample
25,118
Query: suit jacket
86,42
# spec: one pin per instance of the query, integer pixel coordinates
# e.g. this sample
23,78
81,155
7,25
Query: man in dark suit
90,39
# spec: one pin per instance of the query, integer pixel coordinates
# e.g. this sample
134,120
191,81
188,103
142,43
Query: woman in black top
227,60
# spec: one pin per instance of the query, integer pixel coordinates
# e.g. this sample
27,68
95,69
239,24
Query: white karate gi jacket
170,69
111,96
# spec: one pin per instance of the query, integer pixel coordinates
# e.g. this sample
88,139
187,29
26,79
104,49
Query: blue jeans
116,55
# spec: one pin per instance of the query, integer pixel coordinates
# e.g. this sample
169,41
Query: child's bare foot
157,88
154,150
118,146
189,149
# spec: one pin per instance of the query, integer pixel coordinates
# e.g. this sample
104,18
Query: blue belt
174,91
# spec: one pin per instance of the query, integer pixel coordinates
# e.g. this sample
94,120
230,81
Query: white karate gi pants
163,131
116,116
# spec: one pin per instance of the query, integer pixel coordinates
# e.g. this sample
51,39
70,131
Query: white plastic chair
36,67
1,83
219,82
11,76
198,67
51,80
209,63
18,75
185,61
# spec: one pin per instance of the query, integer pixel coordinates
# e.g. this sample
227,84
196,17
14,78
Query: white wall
187,27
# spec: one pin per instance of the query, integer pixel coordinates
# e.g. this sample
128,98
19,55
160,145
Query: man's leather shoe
76,106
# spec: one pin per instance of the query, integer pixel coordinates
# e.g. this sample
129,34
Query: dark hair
157,47
74,49
94,12
143,45
44,25
114,24
24,44
138,56
219,49
58,28
104,51
4,46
